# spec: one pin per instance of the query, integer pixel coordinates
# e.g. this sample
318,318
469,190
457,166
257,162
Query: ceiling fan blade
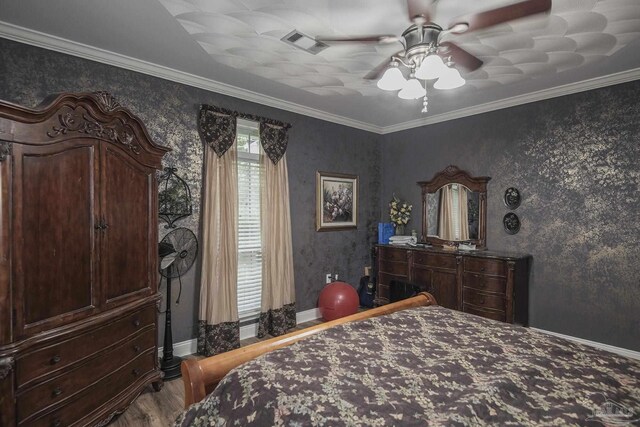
419,11
376,72
476,21
365,39
460,56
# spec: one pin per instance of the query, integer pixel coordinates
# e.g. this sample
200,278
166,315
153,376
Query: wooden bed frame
202,376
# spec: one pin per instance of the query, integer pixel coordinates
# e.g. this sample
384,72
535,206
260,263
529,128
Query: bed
417,364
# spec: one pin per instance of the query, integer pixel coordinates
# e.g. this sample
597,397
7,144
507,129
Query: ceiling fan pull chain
424,100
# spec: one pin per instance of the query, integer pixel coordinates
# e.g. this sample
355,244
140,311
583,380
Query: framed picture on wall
336,201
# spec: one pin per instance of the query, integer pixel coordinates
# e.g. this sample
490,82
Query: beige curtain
277,313
446,227
219,328
463,203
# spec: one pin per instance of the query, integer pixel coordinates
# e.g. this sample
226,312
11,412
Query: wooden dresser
489,284
78,261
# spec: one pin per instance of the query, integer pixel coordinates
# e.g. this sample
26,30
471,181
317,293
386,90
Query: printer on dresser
490,284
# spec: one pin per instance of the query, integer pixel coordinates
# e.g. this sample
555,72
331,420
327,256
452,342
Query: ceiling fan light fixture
431,68
412,90
392,79
450,80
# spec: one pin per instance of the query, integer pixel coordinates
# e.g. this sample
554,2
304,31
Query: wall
576,160
28,74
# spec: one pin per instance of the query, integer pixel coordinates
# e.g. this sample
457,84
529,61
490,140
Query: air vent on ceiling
304,42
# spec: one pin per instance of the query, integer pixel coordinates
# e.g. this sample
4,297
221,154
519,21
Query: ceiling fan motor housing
420,40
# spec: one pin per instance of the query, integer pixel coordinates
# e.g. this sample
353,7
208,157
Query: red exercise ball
338,299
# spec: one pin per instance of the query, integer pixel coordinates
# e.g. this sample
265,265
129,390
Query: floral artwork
336,201
399,212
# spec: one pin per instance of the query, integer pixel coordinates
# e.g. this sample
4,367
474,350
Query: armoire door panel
127,224
54,212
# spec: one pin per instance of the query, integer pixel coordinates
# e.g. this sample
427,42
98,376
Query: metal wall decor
174,198
512,198
511,223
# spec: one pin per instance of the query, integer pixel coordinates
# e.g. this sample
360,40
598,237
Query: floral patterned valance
217,127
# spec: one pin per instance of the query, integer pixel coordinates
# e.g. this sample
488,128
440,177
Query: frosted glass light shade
450,80
392,79
431,68
412,90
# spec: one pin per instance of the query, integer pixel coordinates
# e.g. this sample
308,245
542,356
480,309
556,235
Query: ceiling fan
426,57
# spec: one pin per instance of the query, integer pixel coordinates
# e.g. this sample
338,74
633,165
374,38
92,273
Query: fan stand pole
170,364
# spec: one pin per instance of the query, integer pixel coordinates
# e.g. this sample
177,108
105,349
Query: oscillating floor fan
178,251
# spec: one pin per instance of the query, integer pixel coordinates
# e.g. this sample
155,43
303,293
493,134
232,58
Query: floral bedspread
426,366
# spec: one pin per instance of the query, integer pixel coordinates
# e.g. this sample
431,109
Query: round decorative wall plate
512,198
511,223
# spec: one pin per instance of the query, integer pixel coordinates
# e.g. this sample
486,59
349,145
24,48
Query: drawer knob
481,268
136,348
136,322
56,422
56,392
136,372
55,359
482,301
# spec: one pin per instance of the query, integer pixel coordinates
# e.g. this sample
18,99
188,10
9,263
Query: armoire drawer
51,359
62,387
493,267
479,299
435,260
98,394
485,283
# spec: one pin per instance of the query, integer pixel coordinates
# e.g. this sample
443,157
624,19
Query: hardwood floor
160,409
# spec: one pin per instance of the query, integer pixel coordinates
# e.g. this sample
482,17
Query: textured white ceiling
234,46
246,35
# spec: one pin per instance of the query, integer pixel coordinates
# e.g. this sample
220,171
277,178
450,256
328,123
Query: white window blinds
249,240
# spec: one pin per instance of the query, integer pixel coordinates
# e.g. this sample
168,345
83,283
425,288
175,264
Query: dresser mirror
454,208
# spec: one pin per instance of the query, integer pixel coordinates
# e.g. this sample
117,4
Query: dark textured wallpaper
576,161
169,110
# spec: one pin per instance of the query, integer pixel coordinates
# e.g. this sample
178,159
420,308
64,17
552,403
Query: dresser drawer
494,267
55,357
479,299
485,283
392,254
68,384
435,260
98,394
395,268
489,314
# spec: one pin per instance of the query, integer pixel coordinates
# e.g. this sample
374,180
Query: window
249,240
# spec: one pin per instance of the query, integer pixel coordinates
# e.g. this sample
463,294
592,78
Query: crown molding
554,92
69,47
58,44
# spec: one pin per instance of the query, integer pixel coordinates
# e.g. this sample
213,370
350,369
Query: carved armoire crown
78,261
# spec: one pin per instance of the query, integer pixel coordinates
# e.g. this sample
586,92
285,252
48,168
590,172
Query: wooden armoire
78,261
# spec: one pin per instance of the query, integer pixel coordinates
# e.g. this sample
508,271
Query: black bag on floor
366,292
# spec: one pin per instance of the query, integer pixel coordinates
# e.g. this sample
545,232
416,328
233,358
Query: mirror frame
450,175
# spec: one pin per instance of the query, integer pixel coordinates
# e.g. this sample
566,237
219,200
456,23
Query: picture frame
336,201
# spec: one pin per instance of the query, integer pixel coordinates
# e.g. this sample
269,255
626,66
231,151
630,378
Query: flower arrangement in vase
400,214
